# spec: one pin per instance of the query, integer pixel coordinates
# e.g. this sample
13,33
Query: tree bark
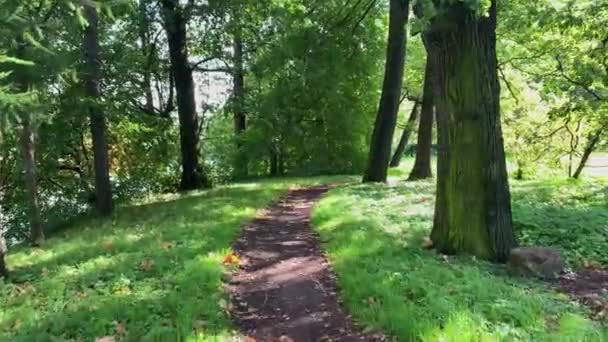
405,137
175,24
28,151
384,128
473,207
422,165
274,162
92,78
240,119
148,50
594,139
3,248
3,251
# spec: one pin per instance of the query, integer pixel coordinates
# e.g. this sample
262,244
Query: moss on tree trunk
473,208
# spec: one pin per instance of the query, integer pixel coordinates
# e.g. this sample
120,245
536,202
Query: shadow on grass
154,270
373,235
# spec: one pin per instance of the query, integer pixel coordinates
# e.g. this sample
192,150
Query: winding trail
285,290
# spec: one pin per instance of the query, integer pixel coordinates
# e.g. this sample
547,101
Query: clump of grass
374,233
153,272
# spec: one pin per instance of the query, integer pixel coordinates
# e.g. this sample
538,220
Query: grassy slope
373,235
151,273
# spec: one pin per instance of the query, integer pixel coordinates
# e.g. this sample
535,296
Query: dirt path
285,290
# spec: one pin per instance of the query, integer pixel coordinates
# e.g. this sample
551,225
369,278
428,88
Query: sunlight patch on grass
373,235
151,272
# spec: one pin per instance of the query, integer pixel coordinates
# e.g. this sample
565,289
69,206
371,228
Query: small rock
542,262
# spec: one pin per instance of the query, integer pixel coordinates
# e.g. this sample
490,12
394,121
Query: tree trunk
405,137
422,165
92,78
594,139
3,250
473,207
175,24
28,151
148,51
240,123
384,128
274,162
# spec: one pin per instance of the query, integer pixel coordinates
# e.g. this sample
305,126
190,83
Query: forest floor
284,289
374,236
158,270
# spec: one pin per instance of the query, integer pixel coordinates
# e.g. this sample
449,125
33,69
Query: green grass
373,235
152,272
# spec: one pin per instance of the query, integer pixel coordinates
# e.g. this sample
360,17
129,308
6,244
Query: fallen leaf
231,259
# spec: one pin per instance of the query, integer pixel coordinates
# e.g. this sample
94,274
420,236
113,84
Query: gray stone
542,262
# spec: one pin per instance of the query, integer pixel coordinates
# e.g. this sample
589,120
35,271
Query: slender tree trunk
274,162
405,137
384,128
3,248
92,78
422,165
175,24
594,139
3,251
473,207
240,119
28,151
147,48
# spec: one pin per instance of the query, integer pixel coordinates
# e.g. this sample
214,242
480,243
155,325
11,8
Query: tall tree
3,247
386,119
240,118
405,136
92,78
422,165
473,207
28,148
148,49
175,20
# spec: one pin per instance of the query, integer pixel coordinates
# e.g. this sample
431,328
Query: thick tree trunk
405,137
92,77
473,208
384,128
175,24
240,119
28,149
594,139
422,165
